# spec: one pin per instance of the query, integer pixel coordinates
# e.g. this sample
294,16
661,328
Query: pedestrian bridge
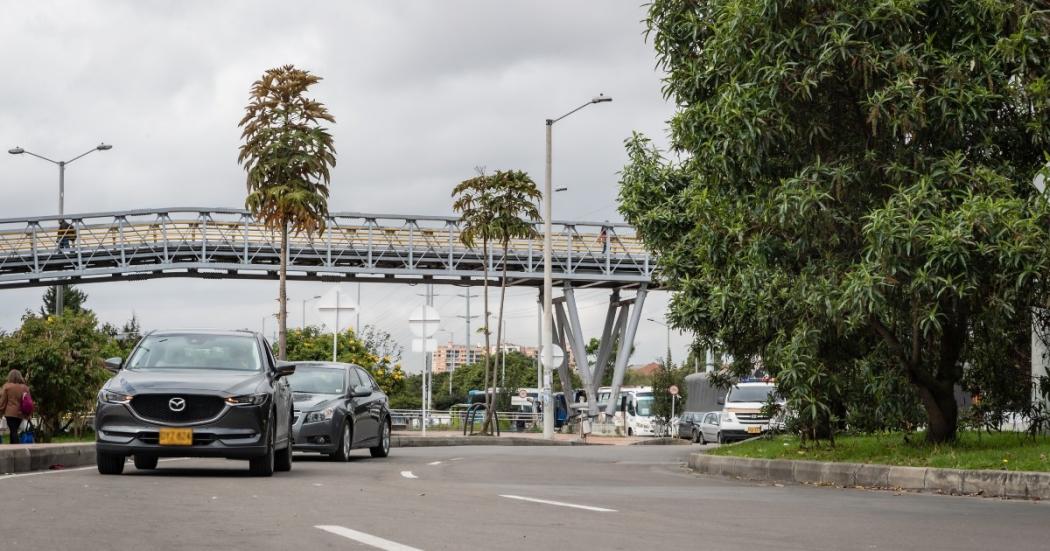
230,243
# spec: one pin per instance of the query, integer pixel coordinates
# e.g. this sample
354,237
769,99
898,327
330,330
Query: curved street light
548,323
59,292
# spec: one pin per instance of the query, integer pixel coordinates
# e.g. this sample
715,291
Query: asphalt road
639,498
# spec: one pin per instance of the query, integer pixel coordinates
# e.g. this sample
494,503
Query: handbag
26,436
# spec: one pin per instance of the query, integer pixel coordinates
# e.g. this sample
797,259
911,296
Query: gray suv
196,394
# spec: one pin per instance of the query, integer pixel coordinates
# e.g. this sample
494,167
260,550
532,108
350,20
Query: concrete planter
1028,485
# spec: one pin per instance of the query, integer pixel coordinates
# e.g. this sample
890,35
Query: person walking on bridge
12,399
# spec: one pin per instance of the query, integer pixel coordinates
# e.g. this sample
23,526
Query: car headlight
110,397
247,400
319,415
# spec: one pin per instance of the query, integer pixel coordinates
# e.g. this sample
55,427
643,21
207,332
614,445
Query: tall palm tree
515,205
474,200
497,208
288,156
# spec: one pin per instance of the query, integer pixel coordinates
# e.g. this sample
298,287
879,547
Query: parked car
196,394
338,408
724,427
689,425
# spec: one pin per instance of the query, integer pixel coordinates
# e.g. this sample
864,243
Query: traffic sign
522,393
557,355
673,389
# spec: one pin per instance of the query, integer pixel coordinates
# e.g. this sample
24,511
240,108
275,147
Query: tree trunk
499,322
282,298
942,413
486,428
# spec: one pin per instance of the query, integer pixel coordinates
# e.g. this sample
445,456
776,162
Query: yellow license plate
176,437
754,430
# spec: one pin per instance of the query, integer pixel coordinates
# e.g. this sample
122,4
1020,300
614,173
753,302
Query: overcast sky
422,92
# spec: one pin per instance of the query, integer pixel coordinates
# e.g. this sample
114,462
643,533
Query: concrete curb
662,441
21,458
1015,484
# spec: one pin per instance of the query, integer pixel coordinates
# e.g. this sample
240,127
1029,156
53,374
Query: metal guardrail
229,243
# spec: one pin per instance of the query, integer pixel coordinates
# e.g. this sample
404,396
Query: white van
742,415
639,401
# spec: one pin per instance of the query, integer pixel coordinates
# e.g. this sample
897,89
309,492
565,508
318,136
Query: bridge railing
230,238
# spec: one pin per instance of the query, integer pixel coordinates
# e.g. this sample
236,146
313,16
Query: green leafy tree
288,156
495,208
122,340
851,187
73,299
310,344
663,378
61,358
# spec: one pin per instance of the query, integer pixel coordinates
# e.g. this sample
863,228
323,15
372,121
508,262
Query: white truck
742,416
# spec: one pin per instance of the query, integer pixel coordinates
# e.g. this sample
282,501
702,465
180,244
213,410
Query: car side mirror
284,369
361,391
113,364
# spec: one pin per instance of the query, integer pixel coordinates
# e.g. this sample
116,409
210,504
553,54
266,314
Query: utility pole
358,329
467,318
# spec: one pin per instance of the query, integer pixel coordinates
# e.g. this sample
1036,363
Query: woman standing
11,401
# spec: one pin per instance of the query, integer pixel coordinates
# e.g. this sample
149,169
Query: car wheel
383,449
630,431
283,459
703,439
145,462
342,451
721,438
264,464
109,463
696,436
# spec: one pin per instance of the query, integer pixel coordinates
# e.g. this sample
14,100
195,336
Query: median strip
367,539
559,503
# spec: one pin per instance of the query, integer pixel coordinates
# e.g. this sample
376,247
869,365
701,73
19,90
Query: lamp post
59,291
302,326
548,323
668,327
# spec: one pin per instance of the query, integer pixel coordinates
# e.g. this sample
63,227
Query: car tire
109,463
630,431
145,462
383,449
342,450
283,460
703,439
264,464
696,436
721,438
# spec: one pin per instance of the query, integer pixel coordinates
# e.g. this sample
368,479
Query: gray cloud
422,92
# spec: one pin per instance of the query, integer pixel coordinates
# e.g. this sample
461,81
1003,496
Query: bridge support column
624,353
621,323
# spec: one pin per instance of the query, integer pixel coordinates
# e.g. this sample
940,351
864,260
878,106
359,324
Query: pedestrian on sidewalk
11,398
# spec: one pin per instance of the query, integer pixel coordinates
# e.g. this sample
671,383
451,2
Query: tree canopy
849,190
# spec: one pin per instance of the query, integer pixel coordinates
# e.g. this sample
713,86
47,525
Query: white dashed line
56,471
456,459
367,539
561,504
432,463
408,474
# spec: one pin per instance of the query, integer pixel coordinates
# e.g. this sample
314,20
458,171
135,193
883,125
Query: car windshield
189,351
750,393
318,380
645,405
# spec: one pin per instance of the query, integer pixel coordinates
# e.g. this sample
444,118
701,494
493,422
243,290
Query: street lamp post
668,327
548,323
302,326
59,292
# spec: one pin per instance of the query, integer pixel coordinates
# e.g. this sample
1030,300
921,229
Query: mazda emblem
177,404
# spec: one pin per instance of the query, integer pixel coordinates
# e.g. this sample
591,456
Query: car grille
155,407
752,418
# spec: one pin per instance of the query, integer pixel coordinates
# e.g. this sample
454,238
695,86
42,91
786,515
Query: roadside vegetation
847,203
1006,451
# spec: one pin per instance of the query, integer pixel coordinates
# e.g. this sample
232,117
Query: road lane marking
408,474
56,471
560,504
456,459
367,539
432,463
